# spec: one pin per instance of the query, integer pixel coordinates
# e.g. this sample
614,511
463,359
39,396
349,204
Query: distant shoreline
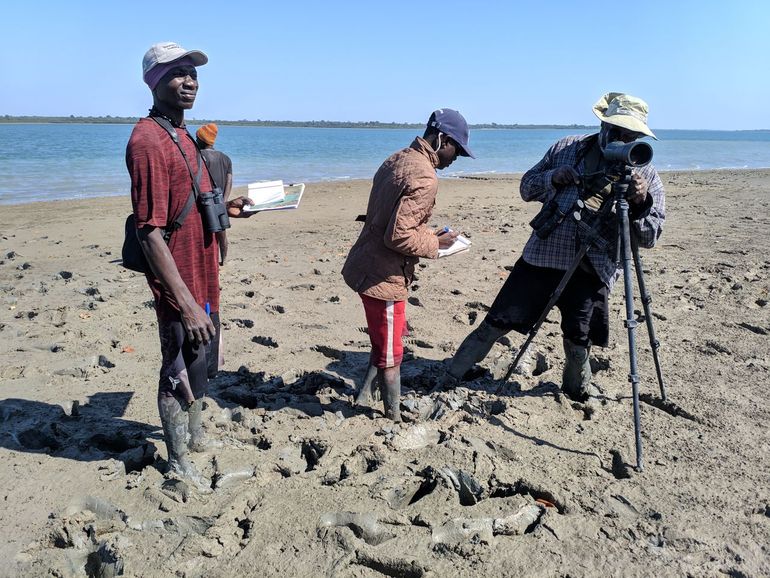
8,119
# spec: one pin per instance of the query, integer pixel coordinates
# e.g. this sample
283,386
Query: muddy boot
475,348
199,441
576,378
175,427
369,389
445,382
390,383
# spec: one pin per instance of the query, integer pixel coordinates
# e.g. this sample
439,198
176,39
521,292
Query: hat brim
198,58
465,151
627,122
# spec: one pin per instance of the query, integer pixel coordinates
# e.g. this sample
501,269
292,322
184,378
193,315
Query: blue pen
444,230
208,309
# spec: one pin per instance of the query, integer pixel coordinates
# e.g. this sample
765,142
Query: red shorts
386,321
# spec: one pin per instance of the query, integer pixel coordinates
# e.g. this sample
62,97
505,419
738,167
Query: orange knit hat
207,133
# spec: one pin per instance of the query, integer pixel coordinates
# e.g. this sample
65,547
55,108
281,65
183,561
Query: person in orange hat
220,169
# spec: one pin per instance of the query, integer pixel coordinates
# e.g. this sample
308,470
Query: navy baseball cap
452,123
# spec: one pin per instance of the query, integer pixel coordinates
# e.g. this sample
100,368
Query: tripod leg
588,236
633,376
524,348
551,302
646,300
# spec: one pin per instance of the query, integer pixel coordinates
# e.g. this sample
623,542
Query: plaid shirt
558,250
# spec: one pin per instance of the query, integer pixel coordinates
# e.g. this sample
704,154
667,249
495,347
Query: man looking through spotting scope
577,172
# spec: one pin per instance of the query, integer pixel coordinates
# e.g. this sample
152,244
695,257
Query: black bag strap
196,178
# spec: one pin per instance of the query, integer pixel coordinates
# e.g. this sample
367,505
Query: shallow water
41,162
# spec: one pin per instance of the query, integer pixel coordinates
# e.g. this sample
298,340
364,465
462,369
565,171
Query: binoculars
213,211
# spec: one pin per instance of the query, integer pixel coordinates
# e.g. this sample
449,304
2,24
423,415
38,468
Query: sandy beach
474,483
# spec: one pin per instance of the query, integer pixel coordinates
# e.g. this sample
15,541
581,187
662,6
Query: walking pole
590,237
554,298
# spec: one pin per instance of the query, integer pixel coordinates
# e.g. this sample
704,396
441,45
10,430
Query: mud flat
474,483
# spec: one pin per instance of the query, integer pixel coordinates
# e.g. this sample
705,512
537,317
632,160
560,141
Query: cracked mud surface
488,479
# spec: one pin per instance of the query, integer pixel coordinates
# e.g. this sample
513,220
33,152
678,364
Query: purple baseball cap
452,123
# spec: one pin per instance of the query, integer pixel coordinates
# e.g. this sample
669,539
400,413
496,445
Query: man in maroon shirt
184,277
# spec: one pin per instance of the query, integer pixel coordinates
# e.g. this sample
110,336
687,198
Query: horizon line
109,119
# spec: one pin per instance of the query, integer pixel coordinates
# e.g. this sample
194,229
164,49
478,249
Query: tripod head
620,175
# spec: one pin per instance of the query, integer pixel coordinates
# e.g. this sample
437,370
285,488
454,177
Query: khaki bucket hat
625,111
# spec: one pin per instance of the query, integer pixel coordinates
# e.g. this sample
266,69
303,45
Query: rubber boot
576,377
473,349
199,441
390,383
369,389
175,422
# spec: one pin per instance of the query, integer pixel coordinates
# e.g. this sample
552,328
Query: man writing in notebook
380,265
184,277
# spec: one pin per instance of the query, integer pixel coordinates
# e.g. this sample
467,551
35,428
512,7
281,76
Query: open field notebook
461,244
274,196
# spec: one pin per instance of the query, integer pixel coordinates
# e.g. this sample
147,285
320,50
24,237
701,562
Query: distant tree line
9,119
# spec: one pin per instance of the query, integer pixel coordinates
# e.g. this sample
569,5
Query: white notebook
461,244
290,197
264,192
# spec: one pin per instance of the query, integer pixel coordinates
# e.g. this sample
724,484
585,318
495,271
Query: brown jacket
395,234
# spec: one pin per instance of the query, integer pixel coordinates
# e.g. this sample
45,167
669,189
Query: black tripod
628,248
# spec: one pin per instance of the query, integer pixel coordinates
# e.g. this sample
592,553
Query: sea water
41,162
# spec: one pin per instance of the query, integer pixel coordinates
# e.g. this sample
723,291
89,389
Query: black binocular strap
196,178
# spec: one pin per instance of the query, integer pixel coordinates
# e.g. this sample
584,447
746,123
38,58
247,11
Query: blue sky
699,64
